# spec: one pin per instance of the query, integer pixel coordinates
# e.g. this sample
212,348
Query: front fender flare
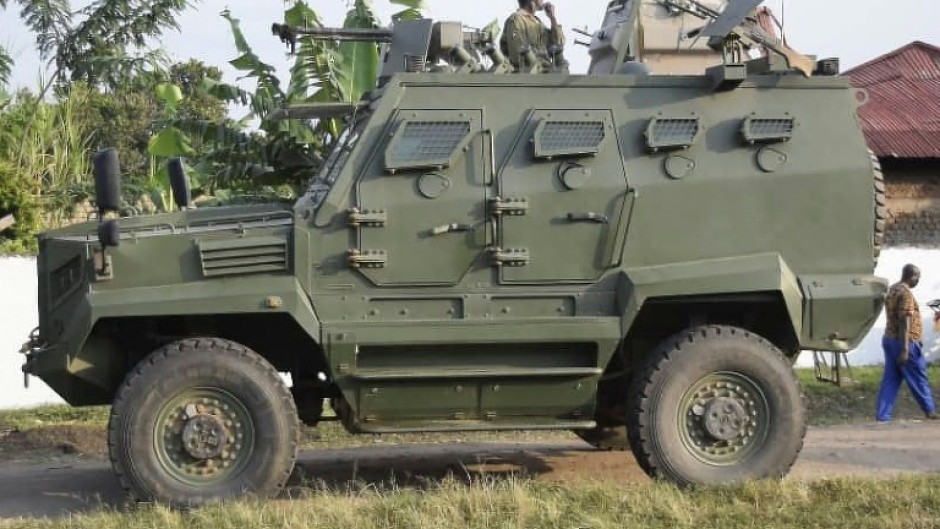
229,296
760,273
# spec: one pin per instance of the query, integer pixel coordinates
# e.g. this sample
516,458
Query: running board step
516,423
555,372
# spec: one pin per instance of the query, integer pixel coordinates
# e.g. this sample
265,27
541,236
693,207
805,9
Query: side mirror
109,234
179,182
107,171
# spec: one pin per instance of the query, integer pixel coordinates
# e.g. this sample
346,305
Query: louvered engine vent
250,255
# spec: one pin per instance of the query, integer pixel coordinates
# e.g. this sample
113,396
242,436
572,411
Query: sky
854,30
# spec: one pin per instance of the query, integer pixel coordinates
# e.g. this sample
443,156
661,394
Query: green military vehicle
636,258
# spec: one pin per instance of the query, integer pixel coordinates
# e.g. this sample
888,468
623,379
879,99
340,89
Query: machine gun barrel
691,7
290,34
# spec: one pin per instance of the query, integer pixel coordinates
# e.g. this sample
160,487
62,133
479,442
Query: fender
748,274
242,295
77,366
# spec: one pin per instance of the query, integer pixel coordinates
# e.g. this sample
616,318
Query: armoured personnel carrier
635,258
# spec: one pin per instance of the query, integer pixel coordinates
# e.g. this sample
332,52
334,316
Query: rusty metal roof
902,116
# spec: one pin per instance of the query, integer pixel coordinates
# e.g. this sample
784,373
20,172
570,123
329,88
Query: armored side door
561,204
421,214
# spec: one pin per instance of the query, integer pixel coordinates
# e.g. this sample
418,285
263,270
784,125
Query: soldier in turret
526,40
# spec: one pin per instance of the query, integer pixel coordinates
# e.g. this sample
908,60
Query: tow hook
30,348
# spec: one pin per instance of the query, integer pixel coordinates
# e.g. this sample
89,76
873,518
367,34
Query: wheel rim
203,436
724,417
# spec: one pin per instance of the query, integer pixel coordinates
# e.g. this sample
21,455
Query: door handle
588,216
448,228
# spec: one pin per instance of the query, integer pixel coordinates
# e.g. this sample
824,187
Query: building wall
913,193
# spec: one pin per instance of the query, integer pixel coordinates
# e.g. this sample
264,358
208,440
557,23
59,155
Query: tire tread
167,353
639,399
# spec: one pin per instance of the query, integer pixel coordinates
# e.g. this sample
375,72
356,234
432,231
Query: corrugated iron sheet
902,116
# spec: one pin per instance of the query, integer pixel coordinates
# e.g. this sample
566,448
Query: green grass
854,402
54,415
911,502
80,430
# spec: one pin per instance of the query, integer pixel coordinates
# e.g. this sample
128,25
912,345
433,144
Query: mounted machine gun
414,46
735,30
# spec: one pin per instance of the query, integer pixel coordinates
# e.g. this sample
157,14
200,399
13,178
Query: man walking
902,347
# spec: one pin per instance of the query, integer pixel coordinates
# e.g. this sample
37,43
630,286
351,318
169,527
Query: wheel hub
204,436
725,418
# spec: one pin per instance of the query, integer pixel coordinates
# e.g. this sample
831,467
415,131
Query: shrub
19,197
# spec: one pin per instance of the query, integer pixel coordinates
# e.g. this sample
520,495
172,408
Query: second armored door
421,214
561,198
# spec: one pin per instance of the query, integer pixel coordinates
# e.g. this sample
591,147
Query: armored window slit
568,137
760,129
423,144
672,133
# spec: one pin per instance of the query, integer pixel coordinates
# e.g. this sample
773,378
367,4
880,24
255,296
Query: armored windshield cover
420,144
554,137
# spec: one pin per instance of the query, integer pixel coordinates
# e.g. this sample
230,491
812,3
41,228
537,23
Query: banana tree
280,151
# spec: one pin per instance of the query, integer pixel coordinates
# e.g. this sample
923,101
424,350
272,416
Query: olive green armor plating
485,252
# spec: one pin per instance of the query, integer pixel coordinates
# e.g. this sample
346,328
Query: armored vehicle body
635,258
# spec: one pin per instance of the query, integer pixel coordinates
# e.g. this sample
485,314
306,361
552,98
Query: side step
504,372
515,423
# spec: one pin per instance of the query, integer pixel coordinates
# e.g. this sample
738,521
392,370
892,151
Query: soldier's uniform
900,303
525,29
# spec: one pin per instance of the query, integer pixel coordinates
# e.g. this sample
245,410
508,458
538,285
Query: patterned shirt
523,28
899,303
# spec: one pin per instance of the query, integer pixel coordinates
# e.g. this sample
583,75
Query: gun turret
618,40
735,29
414,45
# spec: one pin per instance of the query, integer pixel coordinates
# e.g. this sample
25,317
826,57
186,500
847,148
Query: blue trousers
914,372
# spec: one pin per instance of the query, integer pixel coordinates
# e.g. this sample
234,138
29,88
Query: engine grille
250,255
64,280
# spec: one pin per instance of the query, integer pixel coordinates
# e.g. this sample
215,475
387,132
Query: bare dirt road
857,450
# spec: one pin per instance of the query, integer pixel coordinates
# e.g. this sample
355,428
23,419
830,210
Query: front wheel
202,420
716,404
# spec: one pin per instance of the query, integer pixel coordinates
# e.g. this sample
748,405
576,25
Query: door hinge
368,218
510,206
367,258
509,256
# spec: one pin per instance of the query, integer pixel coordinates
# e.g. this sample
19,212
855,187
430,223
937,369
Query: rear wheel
717,404
202,420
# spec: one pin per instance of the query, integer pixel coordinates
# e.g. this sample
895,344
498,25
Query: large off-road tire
202,420
716,404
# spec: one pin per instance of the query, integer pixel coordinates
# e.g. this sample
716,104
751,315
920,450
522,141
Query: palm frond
49,20
114,27
6,66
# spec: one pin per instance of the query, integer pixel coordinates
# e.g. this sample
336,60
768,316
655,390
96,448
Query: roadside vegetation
513,503
106,85
28,434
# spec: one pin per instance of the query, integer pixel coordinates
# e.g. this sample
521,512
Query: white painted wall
18,316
